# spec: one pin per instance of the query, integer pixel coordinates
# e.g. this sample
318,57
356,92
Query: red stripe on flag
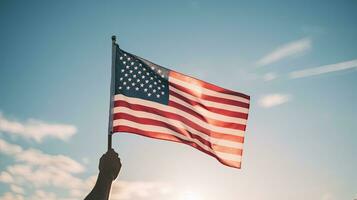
212,109
208,120
181,131
179,117
172,138
192,125
210,98
206,85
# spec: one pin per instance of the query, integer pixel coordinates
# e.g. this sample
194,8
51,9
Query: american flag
156,102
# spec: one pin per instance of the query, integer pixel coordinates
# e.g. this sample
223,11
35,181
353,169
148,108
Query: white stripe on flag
208,113
163,130
211,103
181,113
180,125
206,91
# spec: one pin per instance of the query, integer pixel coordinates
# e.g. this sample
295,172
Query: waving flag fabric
156,102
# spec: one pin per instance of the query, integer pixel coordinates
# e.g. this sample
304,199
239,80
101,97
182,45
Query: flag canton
139,78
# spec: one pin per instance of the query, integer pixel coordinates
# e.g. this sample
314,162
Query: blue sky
297,60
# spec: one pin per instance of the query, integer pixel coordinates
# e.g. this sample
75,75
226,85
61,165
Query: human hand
110,165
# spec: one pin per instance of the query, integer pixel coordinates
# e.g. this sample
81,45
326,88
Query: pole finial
114,38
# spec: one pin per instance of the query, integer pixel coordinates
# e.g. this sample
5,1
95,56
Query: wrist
107,177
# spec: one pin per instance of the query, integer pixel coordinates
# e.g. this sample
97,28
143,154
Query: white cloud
36,129
11,196
9,149
43,176
39,169
286,50
5,177
37,158
269,76
43,195
121,190
272,100
17,189
34,157
324,69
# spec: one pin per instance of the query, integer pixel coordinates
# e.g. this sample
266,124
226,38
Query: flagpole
112,90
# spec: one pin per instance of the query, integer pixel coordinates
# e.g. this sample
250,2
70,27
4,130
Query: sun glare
190,196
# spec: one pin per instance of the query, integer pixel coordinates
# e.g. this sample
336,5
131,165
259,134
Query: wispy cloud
286,50
270,76
272,100
324,69
36,129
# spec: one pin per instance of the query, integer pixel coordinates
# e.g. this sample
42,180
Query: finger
112,152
